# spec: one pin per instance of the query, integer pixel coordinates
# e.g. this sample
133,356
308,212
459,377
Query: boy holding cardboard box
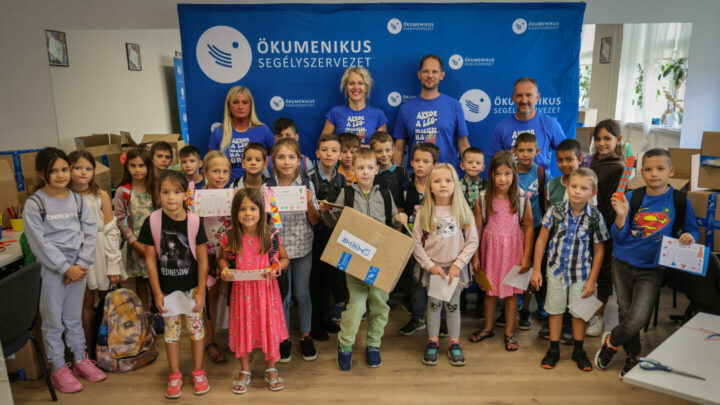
370,199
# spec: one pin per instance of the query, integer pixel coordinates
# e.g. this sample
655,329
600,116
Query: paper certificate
440,289
585,308
690,258
213,202
288,198
517,280
248,275
178,303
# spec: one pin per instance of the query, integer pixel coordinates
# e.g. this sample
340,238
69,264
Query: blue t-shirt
362,123
440,121
529,182
547,130
638,243
260,134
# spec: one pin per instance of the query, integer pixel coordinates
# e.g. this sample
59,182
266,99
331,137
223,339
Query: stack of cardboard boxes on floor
704,200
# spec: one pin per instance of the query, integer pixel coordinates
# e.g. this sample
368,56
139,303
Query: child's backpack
349,201
522,197
130,341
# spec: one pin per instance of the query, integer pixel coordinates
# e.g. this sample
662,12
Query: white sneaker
595,326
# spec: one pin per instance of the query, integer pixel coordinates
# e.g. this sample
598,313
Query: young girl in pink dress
257,319
505,243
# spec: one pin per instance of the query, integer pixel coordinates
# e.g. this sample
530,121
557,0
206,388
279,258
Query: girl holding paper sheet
446,242
297,233
256,311
507,241
217,174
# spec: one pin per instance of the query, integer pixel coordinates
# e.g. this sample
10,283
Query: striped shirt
569,248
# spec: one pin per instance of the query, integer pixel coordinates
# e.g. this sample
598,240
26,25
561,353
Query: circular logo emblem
223,53
277,103
394,26
394,99
476,105
455,62
519,26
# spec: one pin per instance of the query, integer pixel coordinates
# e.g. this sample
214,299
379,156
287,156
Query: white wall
98,94
603,86
27,108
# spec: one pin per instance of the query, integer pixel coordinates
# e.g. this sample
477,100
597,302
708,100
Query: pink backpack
193,226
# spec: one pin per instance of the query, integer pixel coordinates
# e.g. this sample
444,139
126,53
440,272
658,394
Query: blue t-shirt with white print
638,242
440,121
529,182
362,123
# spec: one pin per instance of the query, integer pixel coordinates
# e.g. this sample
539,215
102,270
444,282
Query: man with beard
433,117
546,129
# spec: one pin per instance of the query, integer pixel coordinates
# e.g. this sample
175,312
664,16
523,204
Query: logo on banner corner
476,105
519,26
277,103
394,99
394,26
224,54
455,62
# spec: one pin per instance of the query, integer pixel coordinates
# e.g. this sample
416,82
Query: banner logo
455,62
277,103
394,26
223,53
519,26
394,99
476,105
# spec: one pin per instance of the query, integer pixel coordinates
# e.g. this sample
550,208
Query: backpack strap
680,203
79,202
635,202
40,203
387,200
274,246
156,228
193,226
400,173
126,189
541,187
556,217
349,196
522,202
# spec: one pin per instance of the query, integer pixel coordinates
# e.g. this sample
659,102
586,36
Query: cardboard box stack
106,149
681,180
9,196
175,140
587,117
22,164
704,202
368,249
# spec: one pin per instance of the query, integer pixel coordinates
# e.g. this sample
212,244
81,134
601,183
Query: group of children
466,227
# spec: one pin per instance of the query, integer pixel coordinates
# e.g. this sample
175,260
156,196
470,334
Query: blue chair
19,298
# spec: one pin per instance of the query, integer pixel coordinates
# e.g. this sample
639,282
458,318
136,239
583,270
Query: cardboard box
106,149
709,175
682,160
175,140
102,177
22,164
584,136
9,195
587,117
126,141
368,249
699,202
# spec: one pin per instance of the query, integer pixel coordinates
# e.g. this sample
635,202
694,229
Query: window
653,71
587,40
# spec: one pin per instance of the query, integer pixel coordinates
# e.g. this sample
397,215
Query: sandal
272,381
480,335
218,357
241,386
511,341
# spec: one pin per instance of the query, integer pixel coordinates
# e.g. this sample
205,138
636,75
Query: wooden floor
491,376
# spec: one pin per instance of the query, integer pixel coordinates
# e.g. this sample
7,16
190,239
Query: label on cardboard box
357,245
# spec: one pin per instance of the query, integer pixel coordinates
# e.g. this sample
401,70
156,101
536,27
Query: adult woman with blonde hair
240,127
356,116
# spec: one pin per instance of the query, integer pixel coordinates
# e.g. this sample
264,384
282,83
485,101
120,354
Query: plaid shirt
296,231
569,248
472,190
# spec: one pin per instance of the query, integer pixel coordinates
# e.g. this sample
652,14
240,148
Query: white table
10,250
686,350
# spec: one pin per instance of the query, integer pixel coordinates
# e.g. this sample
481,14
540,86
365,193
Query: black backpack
679,202
349,201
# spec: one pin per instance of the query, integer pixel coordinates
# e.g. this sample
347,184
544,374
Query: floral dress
257,319
141,206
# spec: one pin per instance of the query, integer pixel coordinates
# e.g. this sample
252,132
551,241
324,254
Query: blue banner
182,102
292,57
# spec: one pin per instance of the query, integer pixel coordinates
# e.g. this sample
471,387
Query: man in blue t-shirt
546,129
433,117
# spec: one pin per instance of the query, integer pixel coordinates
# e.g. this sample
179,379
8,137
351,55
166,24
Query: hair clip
123,158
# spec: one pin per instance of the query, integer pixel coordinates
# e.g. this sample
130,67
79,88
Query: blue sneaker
344,359
336,313
373,357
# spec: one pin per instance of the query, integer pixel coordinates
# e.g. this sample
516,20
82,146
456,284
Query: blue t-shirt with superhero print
260,134
546,129
638,242
440,121
362,123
